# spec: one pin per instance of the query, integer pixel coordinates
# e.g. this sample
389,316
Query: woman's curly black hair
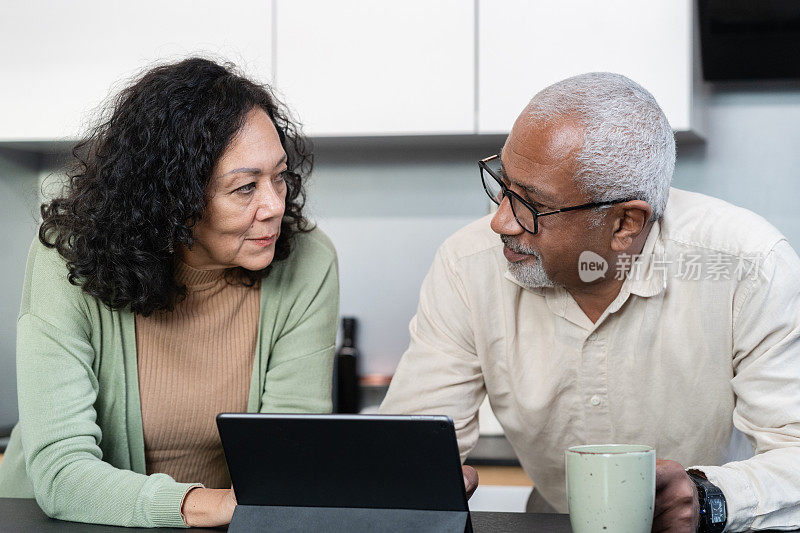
140,178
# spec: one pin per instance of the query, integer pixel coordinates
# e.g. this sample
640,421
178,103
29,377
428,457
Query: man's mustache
517,247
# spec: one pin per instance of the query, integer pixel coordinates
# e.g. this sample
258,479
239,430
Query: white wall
387,209
752,154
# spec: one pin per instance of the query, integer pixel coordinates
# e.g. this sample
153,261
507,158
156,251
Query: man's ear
630,219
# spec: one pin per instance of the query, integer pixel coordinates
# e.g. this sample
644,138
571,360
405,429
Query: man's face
539,164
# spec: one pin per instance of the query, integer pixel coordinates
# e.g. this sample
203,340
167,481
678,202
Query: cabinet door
525,46
61,59
355,67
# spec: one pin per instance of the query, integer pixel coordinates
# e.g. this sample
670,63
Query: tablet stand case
344,473
247,518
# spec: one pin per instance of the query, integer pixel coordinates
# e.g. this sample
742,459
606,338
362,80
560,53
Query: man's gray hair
628,146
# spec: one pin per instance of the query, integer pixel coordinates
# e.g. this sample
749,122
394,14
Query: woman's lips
264,241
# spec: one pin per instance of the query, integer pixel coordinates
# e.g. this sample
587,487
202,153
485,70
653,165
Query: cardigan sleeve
299,373
57,390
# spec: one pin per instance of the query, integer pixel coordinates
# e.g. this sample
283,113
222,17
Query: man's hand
470,479
677,508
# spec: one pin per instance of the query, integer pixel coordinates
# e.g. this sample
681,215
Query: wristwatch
713,509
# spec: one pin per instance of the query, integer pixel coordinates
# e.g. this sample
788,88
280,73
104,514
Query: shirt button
595,400
593,337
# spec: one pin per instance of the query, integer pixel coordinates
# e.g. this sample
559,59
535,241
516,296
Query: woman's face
247,195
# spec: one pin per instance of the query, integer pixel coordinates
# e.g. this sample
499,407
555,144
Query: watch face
717,506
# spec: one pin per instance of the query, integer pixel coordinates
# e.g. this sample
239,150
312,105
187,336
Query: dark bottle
347,392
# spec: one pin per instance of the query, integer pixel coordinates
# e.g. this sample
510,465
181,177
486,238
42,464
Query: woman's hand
208,507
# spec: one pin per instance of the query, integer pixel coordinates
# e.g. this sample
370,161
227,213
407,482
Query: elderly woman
175,278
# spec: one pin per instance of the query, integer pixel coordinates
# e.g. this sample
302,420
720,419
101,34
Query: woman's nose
270,203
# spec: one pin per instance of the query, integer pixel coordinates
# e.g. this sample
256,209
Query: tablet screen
364,461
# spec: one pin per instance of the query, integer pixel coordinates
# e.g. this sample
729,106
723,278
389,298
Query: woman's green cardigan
78,447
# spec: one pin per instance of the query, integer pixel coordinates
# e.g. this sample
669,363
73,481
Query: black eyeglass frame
483,164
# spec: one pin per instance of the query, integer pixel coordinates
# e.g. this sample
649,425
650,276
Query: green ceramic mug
611,488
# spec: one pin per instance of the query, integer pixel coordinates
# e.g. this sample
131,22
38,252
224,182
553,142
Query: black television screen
750,39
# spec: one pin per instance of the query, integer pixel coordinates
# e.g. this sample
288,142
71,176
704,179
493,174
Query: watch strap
713,507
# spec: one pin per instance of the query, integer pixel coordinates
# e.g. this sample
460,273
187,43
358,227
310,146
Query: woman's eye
282,176
246,189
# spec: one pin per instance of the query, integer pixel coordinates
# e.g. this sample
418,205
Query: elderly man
615,309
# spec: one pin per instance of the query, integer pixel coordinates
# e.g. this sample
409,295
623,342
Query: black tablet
322,464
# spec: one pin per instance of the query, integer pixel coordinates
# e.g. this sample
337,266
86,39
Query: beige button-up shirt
697,356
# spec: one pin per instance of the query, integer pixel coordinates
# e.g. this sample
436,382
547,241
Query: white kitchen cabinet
525,46
60,60
354,67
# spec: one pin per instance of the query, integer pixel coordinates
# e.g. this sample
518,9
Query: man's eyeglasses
527,216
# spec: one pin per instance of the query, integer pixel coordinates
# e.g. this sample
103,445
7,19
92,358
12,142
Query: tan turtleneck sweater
195,362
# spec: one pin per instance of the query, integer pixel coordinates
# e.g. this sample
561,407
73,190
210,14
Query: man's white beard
531,276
